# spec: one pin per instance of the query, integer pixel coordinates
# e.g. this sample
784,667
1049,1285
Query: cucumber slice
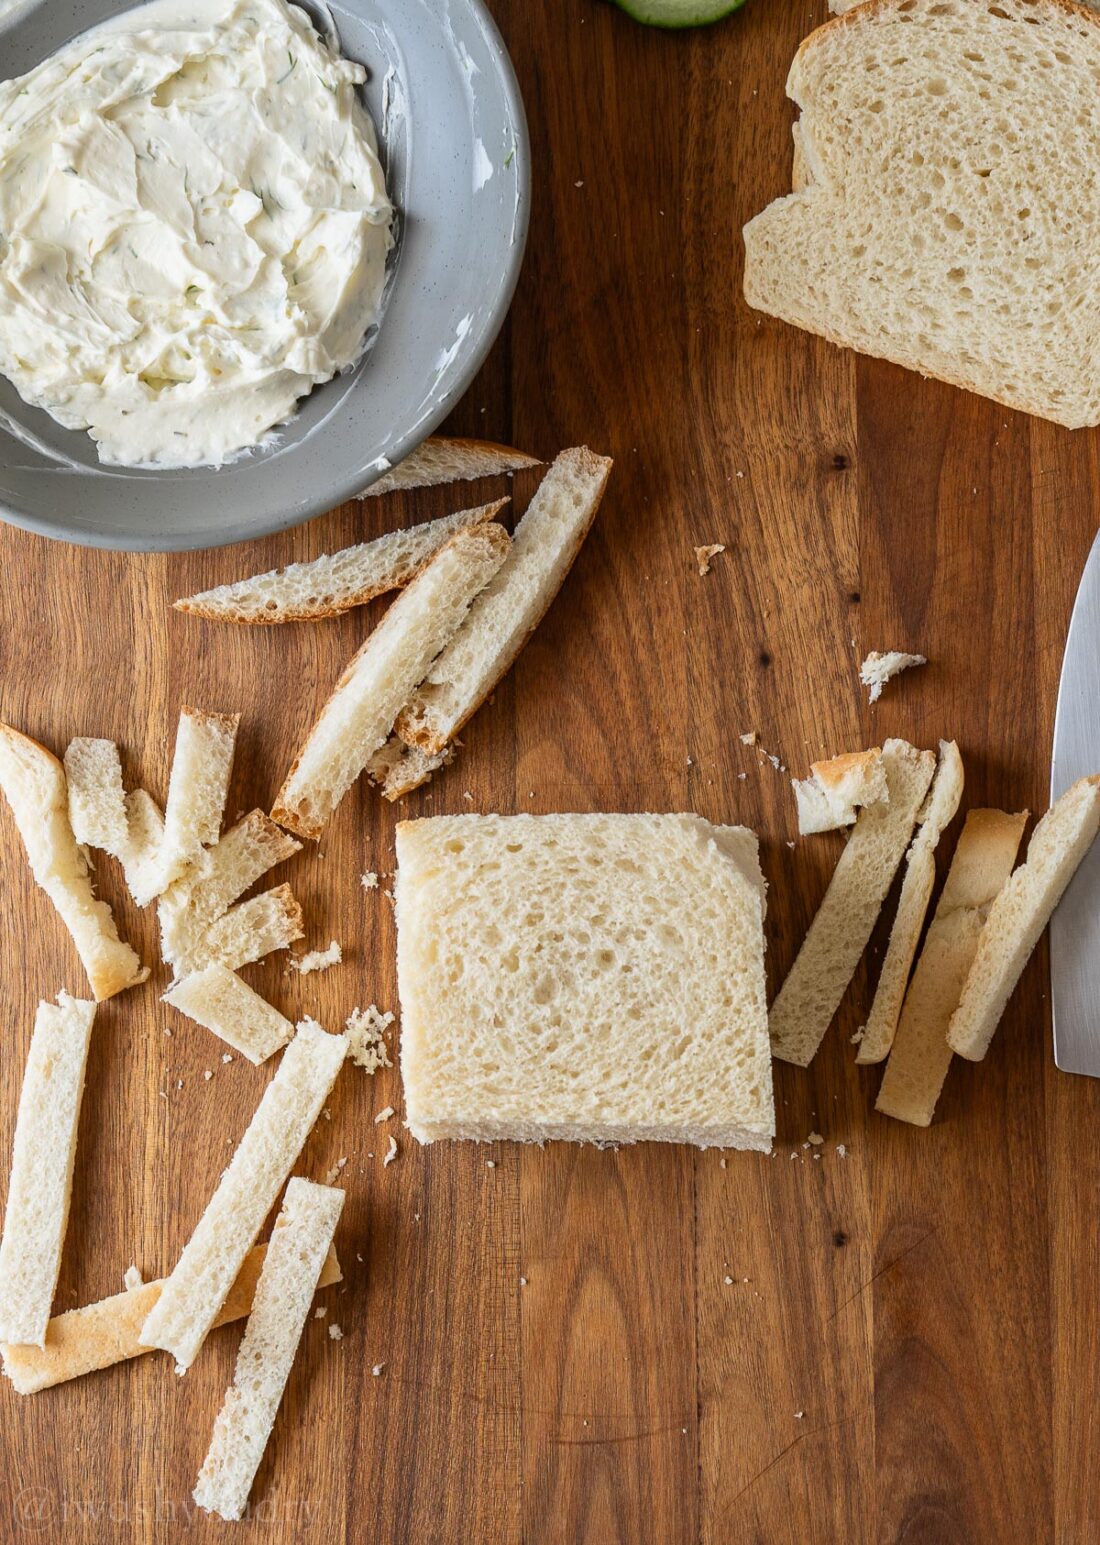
678,13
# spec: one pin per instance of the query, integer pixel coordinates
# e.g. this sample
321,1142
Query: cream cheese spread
193,227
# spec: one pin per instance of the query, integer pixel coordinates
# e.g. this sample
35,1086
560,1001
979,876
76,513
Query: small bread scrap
358,717
99,1335
546,541
227,1230
397,769
97,804
218,1000
41,1181
838,935
828,798
33,781
920,1055
916,893
878,669
440,460
252,929
288,1280
334,583
1021,912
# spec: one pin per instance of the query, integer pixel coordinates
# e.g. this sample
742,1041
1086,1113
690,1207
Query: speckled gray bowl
444,98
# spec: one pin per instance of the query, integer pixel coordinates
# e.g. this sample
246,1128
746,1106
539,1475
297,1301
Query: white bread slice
33,780
440,460
99,1335
878,669
43,1155
97,804
828,798
592,978
920,1055
966,262
397,769
916,892
1021,912
197,789
358,717
334,583
227,1230
252,929
838,935
144,836
546,541
222,873
218,1000
291,1271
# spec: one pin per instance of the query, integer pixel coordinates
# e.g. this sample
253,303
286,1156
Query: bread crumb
369,881
490,1164
334,1172
468,796
798,1415
226,1057
523,1282
815,1138
841,1150
722,1162
335,1333
878,669
208,1074
320,1312
376,1371
384,1114
728,1281
749,738
391,1153
132,1278
366,1048
317,960
703,555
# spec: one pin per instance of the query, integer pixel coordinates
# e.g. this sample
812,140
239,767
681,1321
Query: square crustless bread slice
42,1168
594,978
288,1280
217,999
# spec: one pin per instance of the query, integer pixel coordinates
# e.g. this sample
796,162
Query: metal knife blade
1075,926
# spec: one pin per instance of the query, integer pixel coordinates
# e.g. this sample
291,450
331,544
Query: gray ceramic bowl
444,98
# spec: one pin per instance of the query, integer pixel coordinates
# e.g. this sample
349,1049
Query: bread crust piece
828,798
425,467
812,182
387,563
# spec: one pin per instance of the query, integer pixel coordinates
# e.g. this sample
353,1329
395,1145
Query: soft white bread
218,1000
595,978
1021,912
878,668
397,769
920,1055
916,892
546,541
144,836
221,874
33,781
828,798
335,582
964,259
439,460
358,717
43,1155
97,804
838,935
291,1271
212,1257
252,929
197,789
99,1335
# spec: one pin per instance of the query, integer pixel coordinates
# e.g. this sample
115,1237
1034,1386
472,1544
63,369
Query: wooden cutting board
891,1336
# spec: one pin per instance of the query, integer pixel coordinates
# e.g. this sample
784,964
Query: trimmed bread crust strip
288,1280
916,893
358,717
332,584
920,1055
547,540
1021,912
225,1233
97,804
34,782
250,930
838,935
144,835
442,460
197,789
218,1000
101,1334
43,1155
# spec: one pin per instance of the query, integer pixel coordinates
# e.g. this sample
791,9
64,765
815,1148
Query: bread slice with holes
837,937
952,151
1021,912
359,716
33,781
593,978
441,460
829,797
547,539
334,583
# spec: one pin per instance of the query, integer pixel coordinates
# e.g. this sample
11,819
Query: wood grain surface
890,1337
